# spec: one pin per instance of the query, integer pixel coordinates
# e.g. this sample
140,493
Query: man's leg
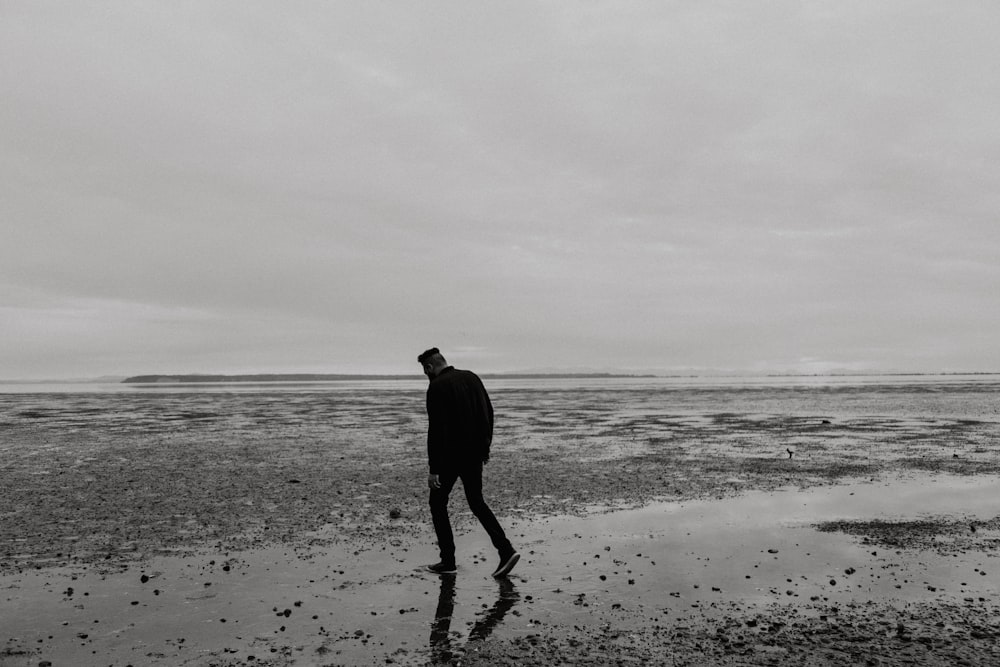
439,515
472,481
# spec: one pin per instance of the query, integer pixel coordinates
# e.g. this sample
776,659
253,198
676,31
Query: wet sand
815,528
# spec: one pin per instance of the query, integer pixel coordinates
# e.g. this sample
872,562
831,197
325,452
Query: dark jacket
460,418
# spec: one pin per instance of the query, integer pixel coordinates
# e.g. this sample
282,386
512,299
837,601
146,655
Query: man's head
432,361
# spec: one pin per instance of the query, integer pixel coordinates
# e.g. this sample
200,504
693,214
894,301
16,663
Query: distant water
542,383
202,387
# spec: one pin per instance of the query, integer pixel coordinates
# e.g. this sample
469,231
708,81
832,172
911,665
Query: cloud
666,185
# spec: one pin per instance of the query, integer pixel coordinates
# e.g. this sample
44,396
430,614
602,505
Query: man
459,435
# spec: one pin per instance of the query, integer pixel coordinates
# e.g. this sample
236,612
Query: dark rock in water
395,513
294,481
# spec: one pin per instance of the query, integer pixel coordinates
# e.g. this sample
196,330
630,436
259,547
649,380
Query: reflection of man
488,620
459,435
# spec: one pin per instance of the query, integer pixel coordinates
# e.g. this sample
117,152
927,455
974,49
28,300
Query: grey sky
332,187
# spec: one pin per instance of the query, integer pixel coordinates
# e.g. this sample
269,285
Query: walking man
459,435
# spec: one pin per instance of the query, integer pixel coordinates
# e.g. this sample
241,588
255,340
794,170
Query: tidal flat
847,521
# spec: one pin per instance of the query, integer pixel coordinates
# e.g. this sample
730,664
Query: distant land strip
334,377
323,377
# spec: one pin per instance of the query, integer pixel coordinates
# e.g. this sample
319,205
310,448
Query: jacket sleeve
435,434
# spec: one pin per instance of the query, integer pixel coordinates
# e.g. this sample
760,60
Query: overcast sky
334,186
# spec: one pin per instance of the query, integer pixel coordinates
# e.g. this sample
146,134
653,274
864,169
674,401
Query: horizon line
228,377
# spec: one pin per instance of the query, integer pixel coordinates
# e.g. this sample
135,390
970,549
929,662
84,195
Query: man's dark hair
427,354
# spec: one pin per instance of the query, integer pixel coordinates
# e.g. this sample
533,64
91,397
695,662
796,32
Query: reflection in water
486,622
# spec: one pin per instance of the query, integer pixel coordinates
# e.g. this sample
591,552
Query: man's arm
434,434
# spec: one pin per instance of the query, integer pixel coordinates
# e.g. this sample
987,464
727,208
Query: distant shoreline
323,377
200,378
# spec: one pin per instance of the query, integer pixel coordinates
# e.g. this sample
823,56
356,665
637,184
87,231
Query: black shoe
442,568
506,564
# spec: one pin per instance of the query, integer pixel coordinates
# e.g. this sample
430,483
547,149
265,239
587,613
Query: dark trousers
472,482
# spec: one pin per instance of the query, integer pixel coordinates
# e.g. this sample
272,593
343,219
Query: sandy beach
712,525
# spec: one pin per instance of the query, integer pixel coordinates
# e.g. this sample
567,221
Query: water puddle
370,603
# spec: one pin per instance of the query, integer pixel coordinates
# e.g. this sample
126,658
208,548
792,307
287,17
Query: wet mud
180,528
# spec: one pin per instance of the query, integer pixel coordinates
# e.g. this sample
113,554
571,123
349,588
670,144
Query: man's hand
434,481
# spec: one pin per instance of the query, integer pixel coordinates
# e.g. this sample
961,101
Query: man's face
429,369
